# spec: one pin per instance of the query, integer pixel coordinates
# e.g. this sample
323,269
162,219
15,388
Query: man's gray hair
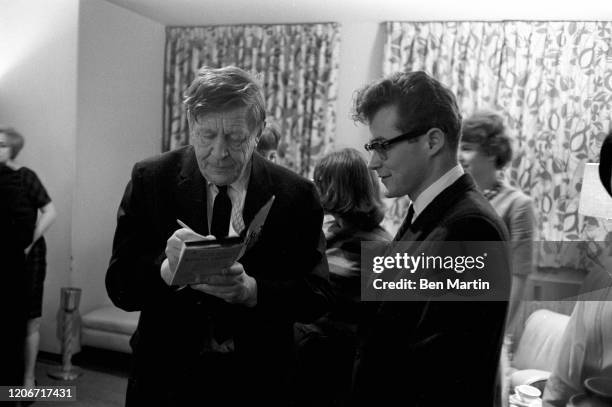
219,89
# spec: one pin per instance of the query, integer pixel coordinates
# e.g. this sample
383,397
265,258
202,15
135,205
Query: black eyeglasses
382,146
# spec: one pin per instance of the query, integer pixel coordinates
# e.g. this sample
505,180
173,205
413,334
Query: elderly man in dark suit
428,353
227,341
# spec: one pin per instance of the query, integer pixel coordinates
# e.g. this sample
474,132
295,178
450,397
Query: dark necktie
407,223
222,212
219,227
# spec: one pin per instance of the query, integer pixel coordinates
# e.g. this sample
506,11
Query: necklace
492,192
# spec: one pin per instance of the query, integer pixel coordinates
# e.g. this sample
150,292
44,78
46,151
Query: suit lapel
191,194
191,190
258,191
429,218
417,234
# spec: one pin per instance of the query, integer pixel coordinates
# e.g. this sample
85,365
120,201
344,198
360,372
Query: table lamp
594,199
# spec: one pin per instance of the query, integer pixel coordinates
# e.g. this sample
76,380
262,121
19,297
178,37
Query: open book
201,258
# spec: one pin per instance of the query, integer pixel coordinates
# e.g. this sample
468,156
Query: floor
102,384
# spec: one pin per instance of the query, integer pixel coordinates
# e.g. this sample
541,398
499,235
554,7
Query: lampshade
594,199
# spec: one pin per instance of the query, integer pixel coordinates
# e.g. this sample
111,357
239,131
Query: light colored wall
211,12
82,81
38,62
119,122
360,62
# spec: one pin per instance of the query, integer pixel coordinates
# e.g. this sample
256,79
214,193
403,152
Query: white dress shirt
237,193
432,191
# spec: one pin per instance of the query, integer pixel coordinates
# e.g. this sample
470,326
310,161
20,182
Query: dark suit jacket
434,353
287,262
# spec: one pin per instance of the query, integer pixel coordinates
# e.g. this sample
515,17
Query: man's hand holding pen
233,284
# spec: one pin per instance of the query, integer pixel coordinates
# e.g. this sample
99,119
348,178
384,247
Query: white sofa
109,327
538,348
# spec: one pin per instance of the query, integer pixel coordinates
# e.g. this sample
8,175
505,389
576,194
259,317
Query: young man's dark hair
422,103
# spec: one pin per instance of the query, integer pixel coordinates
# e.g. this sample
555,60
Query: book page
202,258
196,263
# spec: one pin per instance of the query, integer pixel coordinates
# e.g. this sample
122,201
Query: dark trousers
324,366
212,379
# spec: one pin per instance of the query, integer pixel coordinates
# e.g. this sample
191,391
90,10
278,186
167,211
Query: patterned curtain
553,83
298,67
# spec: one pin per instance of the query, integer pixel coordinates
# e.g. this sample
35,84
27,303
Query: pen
182,224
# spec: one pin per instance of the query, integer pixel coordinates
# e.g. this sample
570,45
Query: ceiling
215,12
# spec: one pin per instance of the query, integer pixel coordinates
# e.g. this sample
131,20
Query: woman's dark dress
36,264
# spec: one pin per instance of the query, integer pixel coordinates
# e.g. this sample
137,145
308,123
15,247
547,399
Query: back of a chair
541,340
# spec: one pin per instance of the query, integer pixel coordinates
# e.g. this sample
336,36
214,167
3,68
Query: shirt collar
432,191
241,184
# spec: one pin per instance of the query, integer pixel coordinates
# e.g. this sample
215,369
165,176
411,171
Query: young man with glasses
427,353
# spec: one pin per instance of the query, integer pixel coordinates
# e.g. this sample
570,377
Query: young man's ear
436,140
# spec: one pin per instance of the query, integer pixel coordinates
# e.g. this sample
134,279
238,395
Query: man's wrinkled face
223,143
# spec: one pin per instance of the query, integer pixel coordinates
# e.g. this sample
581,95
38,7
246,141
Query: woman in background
484,151
269,141
350,193
16,229
38,202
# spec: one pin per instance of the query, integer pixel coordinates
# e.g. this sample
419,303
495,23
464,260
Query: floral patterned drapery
553,83
298,67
